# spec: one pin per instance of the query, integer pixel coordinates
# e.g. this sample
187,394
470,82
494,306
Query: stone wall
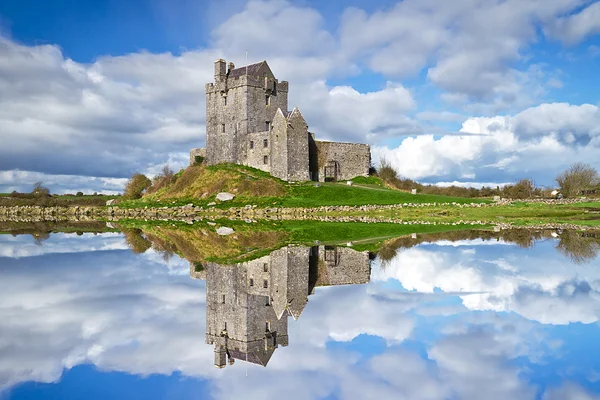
279,147
201,152
238,106
342,266
349,159
256,151
297,148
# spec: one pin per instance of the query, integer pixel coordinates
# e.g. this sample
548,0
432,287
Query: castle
248,304
248,123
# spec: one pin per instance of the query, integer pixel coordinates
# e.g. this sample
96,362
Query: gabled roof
252,69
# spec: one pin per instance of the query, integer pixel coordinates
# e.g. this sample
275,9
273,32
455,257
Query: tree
577,178
40,190
136,186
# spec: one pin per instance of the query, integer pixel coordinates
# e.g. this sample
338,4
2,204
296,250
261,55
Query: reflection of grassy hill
199,242
200,184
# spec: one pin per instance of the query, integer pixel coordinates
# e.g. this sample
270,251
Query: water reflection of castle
247,304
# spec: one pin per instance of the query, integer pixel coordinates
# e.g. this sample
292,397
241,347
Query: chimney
220,72
231,67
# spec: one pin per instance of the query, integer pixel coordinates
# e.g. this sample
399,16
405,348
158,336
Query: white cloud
470,48
572,29
117,115
537,143
25,245
543,290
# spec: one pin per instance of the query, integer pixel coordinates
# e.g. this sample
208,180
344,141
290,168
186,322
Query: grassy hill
200,184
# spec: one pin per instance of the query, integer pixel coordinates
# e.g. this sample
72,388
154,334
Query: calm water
84,317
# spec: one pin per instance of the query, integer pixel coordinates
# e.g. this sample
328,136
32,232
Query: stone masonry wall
343,266
297,148
256,151
279,150
236,107
352,159
196,152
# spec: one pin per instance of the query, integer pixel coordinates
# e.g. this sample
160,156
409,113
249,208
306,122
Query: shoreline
473,214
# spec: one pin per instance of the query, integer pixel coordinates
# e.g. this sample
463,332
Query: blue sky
474,91
136,330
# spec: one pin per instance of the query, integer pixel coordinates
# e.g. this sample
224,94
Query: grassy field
516,214
55,200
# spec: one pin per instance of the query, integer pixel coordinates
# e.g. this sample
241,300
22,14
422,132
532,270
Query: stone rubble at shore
248,213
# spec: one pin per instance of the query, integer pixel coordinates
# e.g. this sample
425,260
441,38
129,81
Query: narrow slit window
252,144
251,282
266,143
225,326
265,159
267,125
222,128
223,299
267,100
225,100
267,301
266,267
265,284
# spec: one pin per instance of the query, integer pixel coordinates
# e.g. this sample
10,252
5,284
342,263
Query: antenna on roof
246,62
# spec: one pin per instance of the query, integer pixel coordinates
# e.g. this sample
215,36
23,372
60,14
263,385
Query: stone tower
240,106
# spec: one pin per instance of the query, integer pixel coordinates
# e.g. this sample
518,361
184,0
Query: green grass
330,194
56,200
307,232
200,242
199,186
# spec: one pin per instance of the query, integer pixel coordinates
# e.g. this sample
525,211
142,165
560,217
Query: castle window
267,301
225,326
266,143
252,144
223,299
267,125
267,100
265,284
224,100
251,282
265,159
266,267
222,128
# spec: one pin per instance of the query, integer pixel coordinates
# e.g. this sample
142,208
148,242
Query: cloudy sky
468,90
444,320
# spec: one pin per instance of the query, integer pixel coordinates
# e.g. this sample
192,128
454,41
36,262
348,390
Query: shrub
136,186
165,178
79,194
577,178
386,172
39,190
524,189
136,241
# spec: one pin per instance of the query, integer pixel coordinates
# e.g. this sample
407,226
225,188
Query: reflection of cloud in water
129,313
534,282
26,246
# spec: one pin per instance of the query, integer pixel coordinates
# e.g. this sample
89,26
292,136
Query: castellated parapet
248,123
